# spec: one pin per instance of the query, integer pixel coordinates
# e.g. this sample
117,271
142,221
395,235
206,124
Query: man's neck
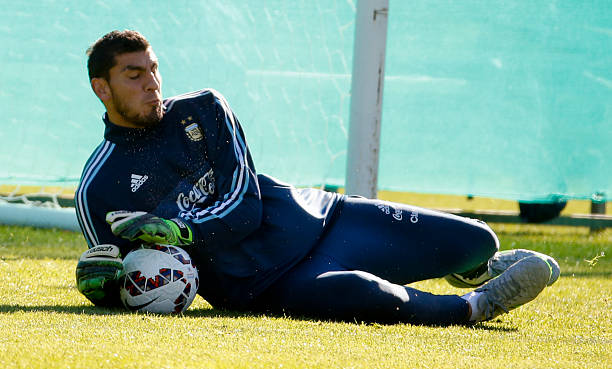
118,120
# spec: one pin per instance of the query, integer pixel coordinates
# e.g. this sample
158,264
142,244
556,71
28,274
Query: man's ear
101,88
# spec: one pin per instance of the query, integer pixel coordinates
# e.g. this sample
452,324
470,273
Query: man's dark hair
102,53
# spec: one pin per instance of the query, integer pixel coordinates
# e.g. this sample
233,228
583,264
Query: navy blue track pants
370,252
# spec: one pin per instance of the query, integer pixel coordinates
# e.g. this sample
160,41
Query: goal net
490,99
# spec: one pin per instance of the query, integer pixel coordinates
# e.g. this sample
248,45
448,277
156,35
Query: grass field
46,323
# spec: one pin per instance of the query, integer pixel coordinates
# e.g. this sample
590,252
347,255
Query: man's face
134,87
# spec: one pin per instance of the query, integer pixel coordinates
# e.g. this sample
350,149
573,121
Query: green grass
46,323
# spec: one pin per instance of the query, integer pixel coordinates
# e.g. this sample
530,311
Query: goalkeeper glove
98,275
149,228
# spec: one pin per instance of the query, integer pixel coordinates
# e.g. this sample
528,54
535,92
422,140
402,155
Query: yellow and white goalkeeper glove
140,225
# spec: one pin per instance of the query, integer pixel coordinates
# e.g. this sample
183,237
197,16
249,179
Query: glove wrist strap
182,231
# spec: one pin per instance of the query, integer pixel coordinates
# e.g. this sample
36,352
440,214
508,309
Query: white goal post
366,97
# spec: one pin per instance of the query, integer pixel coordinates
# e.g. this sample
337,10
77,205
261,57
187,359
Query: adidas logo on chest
137,181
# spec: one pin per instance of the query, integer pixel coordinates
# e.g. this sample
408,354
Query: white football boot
519,284
496,265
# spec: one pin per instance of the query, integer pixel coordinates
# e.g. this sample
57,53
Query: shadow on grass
488,327
215,313
95,310
89,310
203,313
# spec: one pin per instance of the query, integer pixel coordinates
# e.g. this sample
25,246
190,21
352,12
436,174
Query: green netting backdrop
489,98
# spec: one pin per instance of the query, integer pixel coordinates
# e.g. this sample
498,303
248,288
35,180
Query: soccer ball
159,279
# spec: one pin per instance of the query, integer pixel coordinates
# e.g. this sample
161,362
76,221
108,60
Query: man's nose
153,82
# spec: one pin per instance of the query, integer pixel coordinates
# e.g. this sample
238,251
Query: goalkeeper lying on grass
178,171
